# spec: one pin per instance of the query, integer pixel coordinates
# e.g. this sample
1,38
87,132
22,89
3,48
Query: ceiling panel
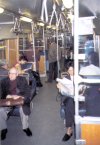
32,8
92,5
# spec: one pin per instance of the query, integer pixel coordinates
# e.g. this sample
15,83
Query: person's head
70,68
23,59
13,73
93,58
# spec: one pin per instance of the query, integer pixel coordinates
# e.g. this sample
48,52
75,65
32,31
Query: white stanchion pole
58,65
32,26
76,43
76,12
44,51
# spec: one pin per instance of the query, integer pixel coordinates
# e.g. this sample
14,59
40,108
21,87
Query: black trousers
52,71
69,111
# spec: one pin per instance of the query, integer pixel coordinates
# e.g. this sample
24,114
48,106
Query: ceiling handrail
54,12
44,11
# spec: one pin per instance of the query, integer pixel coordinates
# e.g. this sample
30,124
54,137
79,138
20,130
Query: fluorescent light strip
26,19
40,24
1,10
49,26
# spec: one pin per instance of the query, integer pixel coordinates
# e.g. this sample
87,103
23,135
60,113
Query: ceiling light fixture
67,3
26,19
40,24
49,26
53,27
1,10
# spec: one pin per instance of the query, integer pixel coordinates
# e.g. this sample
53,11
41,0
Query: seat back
2,77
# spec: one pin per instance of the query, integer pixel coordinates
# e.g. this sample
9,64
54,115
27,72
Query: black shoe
66,137
3,134
28,132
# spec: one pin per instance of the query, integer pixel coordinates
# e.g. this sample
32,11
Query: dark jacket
92,100
22,89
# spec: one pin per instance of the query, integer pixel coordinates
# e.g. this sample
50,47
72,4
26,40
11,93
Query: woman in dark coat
69,103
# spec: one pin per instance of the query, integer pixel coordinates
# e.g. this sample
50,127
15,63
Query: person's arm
25,90
15,97
25,70
3,88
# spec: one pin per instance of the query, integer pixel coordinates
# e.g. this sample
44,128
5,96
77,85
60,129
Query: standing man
15,86
52,58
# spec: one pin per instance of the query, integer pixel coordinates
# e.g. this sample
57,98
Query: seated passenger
69,101
92,93
24,67
92,69
15,86
22,60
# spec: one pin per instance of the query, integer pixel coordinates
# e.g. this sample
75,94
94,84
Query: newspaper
67,87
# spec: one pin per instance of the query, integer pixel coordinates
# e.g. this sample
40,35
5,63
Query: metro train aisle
45,122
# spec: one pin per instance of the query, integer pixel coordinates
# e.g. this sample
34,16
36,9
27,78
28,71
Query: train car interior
27,29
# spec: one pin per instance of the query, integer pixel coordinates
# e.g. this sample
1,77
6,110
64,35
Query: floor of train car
45,122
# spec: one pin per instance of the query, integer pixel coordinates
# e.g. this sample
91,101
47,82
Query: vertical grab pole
58,66
32,26
76,43
44,50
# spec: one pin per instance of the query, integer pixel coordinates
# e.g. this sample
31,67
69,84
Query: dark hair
23,57
69,64
93,58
